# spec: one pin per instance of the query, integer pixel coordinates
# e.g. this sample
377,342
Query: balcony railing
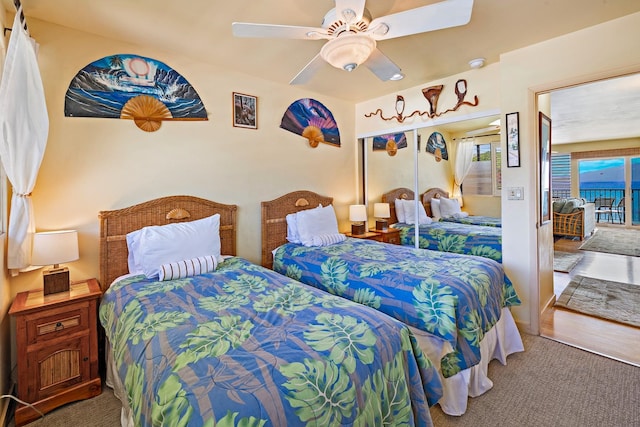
617,194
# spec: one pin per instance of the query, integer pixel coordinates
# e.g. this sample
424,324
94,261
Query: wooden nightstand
390,235
57,347
369,235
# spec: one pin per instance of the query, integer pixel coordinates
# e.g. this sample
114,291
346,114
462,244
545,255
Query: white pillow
188,267
449,207
158,245
316,222
399,210
410,213
435,209
326,239
133,245
292,228
461,215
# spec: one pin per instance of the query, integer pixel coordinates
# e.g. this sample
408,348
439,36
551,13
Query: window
485,176
560,175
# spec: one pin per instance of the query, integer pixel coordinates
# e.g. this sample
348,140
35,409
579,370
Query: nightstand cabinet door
56,367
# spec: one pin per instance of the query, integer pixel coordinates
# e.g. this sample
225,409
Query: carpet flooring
615,301
614,241
565,261
549,384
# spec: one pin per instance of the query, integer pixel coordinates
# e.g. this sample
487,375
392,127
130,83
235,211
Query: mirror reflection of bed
414,168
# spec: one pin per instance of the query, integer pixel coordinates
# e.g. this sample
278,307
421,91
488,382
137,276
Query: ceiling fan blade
246,29
382,66
446,14
308,71
357,6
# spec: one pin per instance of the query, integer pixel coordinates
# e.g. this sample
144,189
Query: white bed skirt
501,340
113,381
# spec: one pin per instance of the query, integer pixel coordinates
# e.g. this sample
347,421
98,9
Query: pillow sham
449,207
133,245
316,222
435,209
410,213
187,267
292,228
162,244
399,210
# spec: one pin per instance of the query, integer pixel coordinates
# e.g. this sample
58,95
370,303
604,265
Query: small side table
57,347
369,235
390,235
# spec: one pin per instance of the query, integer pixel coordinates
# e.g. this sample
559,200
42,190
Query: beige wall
95,164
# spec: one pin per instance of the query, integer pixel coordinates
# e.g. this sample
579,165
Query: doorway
597,140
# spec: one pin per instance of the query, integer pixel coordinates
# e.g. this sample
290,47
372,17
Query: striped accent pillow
326,239
188,267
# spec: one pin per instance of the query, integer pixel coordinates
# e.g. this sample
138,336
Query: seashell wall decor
133,87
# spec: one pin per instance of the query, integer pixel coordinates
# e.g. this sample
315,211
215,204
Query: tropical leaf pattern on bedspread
487,221
455,297
457,238
245,346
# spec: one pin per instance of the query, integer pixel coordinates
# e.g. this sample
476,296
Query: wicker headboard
432,193
115,224
391,196
274,222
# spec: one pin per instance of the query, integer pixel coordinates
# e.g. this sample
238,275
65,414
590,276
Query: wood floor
611,339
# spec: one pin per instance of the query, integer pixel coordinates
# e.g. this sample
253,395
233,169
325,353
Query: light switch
515,193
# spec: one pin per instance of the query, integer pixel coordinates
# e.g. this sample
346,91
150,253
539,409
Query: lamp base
358,229
56,280
382,224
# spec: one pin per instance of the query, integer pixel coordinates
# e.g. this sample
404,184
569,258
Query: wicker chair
579,223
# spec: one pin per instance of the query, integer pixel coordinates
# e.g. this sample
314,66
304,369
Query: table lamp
381,212
358,216
53,248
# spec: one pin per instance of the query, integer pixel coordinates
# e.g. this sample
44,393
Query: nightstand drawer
54,323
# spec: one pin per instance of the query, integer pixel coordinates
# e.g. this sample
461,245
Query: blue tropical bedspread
245,346
458,238
455,297
487,221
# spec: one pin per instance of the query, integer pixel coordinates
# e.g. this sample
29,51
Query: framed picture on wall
513,140
245,111
544,132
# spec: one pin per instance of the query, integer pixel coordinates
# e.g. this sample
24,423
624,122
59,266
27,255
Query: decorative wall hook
431,94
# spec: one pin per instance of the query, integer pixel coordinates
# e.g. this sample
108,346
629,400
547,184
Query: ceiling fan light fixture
396,77
348,51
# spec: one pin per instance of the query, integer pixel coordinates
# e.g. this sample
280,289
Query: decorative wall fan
352,34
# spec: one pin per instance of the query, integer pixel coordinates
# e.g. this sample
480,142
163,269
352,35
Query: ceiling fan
352,34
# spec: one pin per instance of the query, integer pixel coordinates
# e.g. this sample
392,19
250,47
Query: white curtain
464,156
24,125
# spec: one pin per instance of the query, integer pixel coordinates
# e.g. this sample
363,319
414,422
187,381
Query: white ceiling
202,29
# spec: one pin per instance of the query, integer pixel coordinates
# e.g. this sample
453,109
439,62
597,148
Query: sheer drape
464,157
24,125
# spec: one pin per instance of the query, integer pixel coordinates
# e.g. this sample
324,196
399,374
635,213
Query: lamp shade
348,51
381,210
54,247
357,213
